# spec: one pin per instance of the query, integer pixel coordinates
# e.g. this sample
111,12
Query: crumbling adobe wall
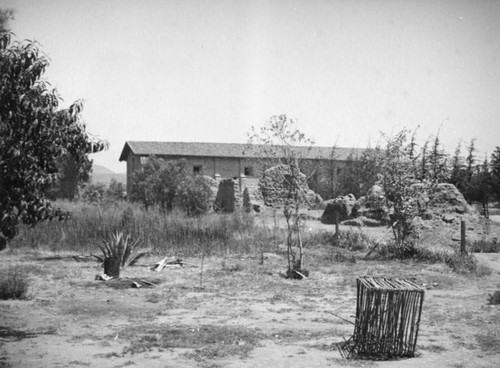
274,187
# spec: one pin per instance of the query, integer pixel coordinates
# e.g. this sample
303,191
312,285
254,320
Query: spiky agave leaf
125,250
136,257
120,245
129,257
104,248
100,259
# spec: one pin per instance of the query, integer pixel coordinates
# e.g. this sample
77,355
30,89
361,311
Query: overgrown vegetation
169,184
461,263
351,240
485,246
477,179
494,298
174,233
14,283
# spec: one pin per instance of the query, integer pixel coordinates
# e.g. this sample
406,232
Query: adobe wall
322,174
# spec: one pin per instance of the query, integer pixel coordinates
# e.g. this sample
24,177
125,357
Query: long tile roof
237,150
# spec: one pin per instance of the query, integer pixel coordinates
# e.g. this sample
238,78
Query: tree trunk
112,267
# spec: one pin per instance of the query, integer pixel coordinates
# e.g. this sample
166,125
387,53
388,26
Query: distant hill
101,174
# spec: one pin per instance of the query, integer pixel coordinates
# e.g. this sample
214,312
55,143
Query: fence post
337,223
463,248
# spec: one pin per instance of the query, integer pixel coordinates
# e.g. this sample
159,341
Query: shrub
355,240
461,263
116,191
494,298
351,239
485,246
93,193
169,184
247,205
195,196
13,283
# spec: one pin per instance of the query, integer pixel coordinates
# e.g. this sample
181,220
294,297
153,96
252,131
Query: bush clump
485,246
350,239
13,283
494,298
461,263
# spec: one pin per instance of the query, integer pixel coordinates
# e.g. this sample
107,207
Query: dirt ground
237,313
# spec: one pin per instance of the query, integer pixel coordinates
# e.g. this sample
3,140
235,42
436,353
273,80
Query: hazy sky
208,70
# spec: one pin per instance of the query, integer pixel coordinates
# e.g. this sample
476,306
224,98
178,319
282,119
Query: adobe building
237,161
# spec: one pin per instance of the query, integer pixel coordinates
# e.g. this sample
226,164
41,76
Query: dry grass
246,314
162,233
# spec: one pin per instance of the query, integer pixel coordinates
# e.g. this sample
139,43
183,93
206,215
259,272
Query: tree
424,161
71,177
116,191
360,173
169,184
470,163
437,162
194,195
276,144
402,196
34,134
173,176
495,173
480,186
457,168
143,182
247,204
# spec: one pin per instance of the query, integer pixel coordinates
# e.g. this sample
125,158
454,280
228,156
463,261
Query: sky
207,71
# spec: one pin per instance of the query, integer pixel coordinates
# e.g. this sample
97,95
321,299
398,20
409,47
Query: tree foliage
404,194
34,134
247,204
360,173
480,186
495,173
194,195
116,191
71,177
168,184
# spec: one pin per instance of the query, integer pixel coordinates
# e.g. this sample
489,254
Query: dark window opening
197,169
248,171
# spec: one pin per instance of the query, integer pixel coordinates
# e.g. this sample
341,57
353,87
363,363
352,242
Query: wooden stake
463,249
336,223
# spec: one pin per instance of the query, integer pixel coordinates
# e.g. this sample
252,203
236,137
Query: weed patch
461,263
485,246
494,298
489,342
14,283
162,233
207,341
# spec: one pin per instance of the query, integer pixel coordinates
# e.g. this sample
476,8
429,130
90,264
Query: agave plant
121,247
